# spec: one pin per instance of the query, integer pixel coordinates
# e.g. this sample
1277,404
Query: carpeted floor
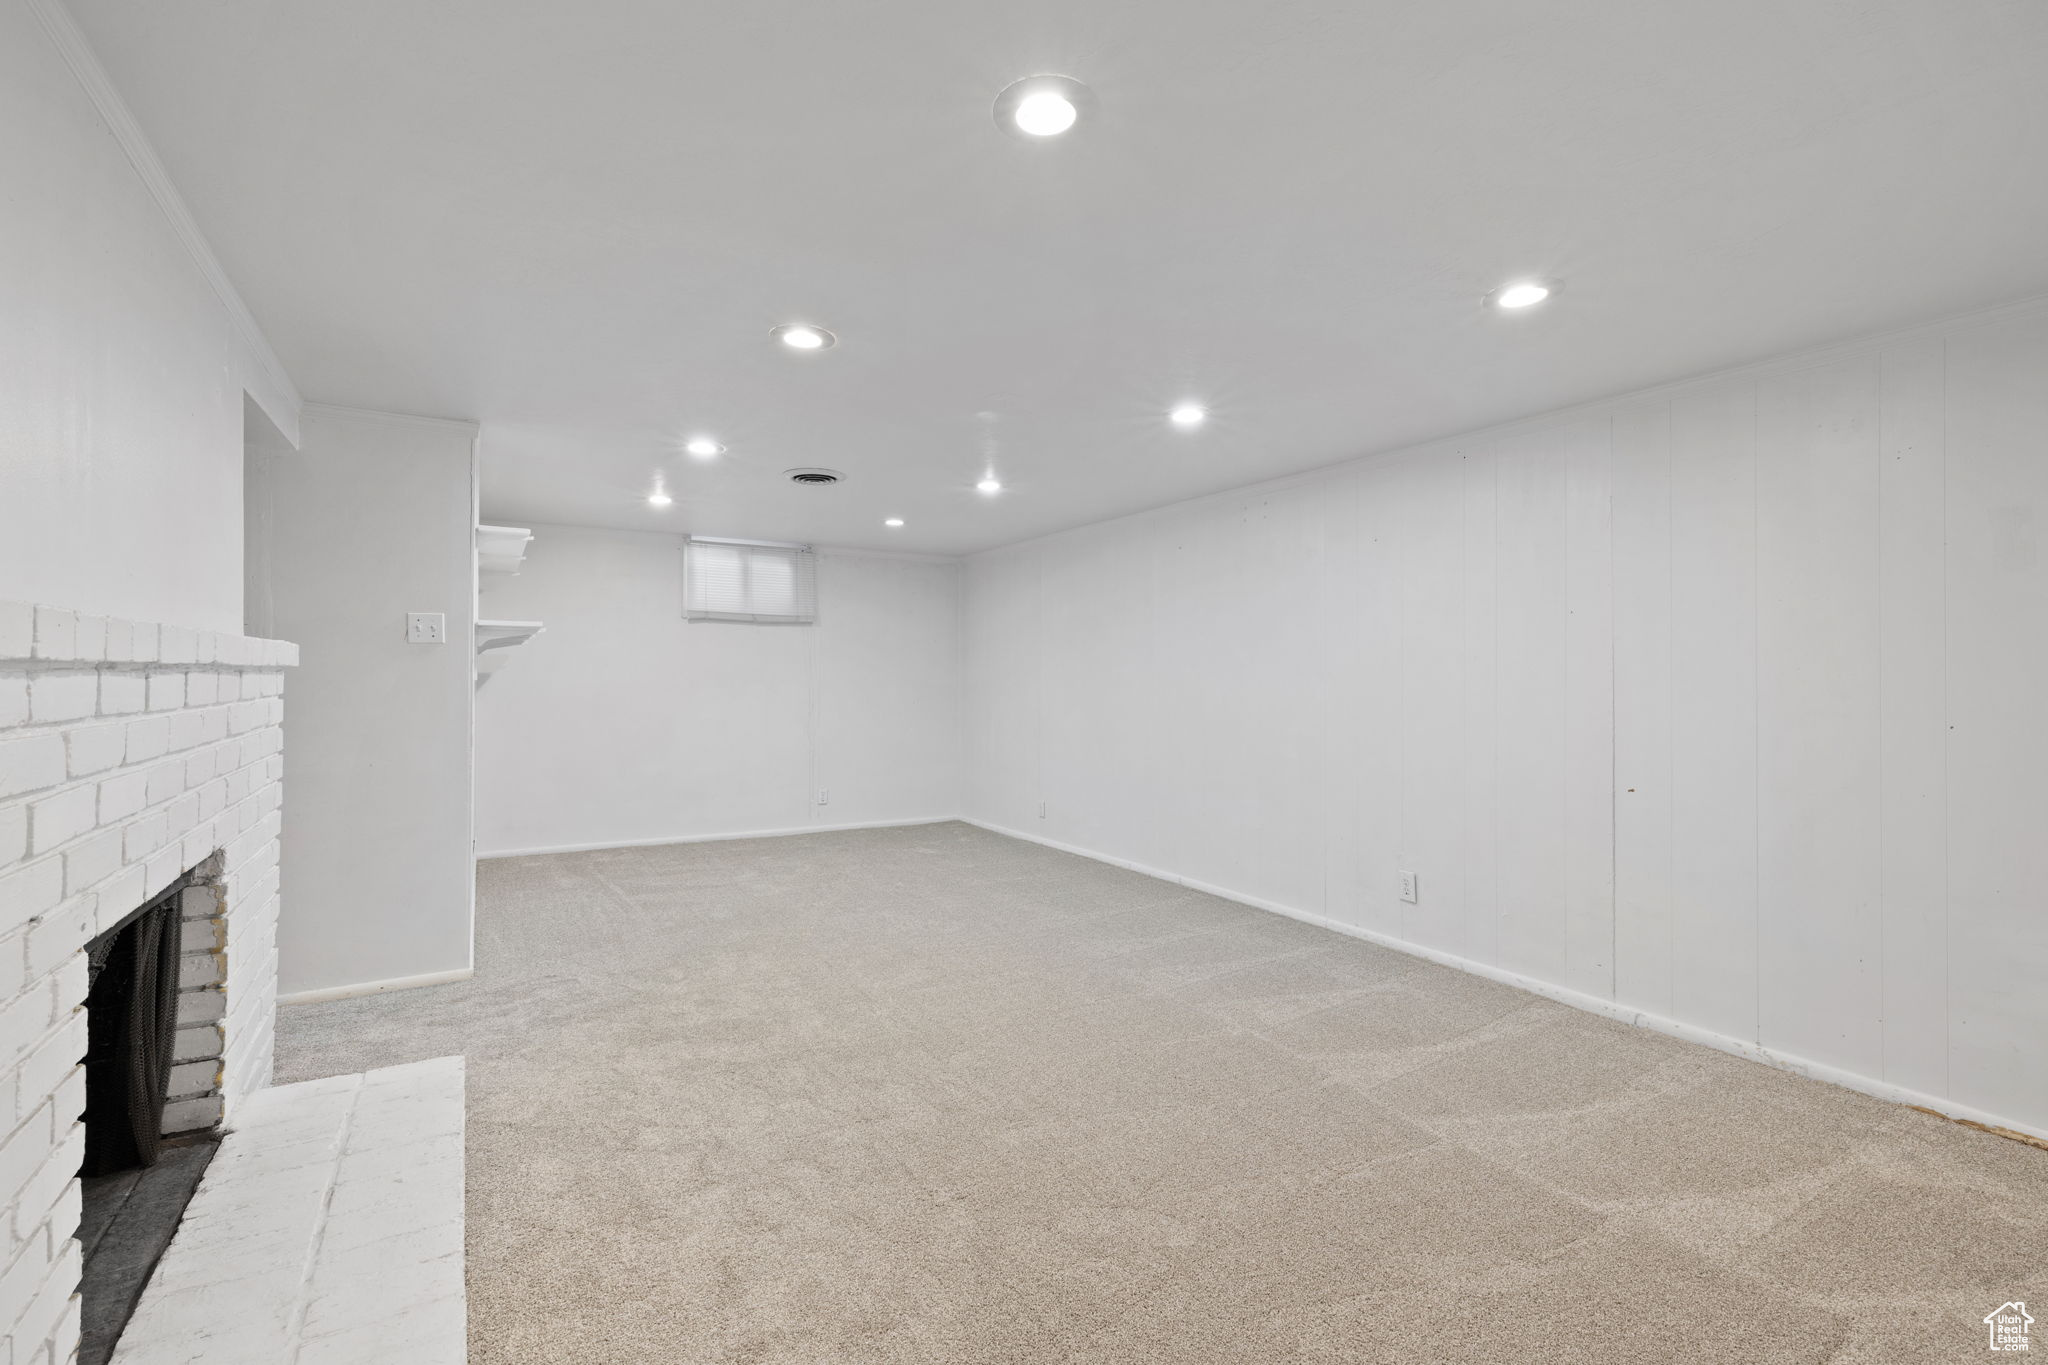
933,1095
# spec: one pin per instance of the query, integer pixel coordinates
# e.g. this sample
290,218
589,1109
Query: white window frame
770,582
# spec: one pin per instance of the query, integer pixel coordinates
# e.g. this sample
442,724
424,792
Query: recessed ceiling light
893,521
1188,416
804,336
1045,114
1522,294
659,499
1042,106
989,485
703,447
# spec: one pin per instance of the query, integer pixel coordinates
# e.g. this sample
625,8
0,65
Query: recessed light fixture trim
893,521
989,485
1520,294
1188,416
659,499
1045,113
703,447
1039,108
805,336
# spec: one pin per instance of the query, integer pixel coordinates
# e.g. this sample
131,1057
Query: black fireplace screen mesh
131,1027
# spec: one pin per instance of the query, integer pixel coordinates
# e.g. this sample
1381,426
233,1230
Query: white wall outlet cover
426,627
822,796
1408,887
1041,810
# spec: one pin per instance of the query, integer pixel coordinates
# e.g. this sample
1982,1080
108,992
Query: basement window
763,581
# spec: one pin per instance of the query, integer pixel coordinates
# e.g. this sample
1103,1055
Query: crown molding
265,377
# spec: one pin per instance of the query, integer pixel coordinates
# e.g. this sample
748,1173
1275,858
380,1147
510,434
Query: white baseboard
1564,995
714,838
396,983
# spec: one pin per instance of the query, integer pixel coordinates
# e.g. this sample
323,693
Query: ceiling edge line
1787,362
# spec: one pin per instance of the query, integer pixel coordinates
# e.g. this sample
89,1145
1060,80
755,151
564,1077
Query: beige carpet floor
933,1095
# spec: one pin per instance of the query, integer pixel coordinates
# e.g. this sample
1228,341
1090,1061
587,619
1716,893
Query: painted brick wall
130,754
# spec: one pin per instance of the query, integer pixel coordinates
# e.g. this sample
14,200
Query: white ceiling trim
264,376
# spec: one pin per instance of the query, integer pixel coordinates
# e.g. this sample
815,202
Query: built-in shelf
494,638
505,634
501,549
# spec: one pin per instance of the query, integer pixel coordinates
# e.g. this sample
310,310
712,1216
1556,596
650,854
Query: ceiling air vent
813,476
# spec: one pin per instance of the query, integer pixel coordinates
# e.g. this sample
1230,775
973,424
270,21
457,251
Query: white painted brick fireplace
130,755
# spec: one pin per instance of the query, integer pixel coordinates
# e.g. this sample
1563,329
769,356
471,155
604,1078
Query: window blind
749,580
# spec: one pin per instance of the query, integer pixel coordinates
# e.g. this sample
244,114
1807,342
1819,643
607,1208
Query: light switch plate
426,628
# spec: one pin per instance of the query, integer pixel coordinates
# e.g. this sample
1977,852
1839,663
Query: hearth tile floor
327,1231
126,1225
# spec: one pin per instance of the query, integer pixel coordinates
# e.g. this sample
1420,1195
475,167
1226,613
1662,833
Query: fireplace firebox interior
136,1185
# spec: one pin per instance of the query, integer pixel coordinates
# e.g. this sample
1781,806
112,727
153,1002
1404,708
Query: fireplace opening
136,1182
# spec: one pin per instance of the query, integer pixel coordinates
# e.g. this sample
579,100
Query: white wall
121,371
369,520
124,360
623,723
1727,703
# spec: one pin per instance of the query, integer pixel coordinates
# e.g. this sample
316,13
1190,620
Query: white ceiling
577,223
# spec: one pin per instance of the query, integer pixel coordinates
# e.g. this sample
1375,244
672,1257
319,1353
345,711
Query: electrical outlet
1041,810
426,628
823,796
1408,887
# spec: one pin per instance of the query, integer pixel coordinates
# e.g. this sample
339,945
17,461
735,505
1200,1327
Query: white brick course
62,696
56,936
91,861
122,795
56,820
30,762
95,748
149,738
129,753
38,1199
91,641
166,691
56,633
13,834
166,780
29,891
122,693
49,1064
201,1042
17,630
